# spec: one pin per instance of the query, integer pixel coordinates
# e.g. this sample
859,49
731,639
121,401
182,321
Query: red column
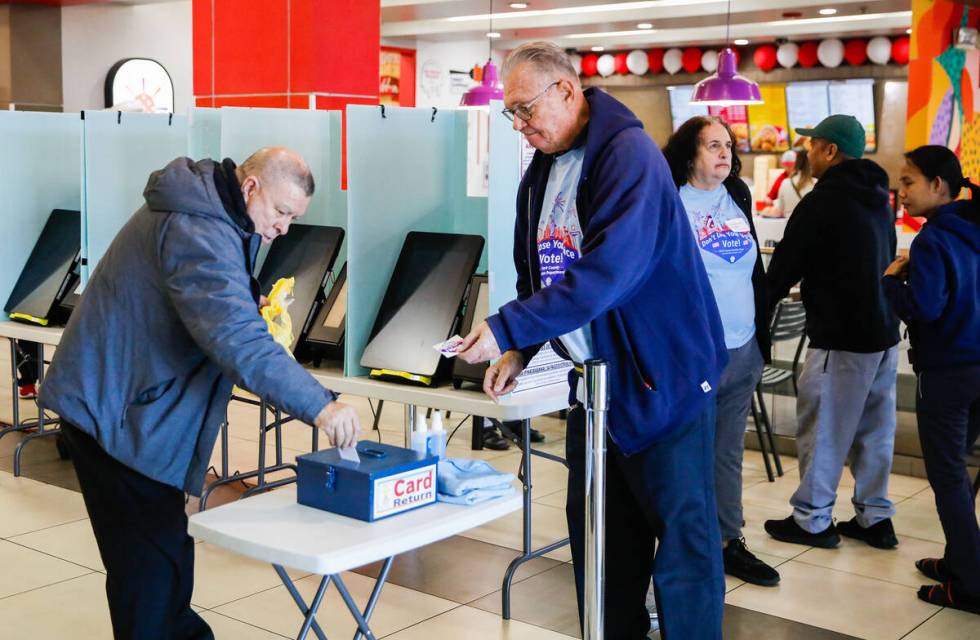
279,53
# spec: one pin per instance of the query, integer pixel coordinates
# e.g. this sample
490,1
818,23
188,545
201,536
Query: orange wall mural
944,82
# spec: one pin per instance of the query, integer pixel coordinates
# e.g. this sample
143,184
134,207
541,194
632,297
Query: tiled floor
51,585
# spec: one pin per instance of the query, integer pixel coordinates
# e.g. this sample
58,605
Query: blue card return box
388,480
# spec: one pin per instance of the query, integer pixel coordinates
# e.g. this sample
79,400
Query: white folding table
274,528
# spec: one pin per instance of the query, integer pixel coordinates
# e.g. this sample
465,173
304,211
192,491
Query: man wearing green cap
839,241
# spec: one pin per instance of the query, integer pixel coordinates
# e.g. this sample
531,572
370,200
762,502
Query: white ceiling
581,24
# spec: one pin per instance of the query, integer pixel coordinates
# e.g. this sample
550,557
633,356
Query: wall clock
139,84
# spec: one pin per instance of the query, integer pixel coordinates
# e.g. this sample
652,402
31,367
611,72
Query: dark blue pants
661,519
948,410
141,528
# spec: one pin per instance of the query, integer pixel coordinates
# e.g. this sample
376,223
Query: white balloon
673,60
709,60
788,54
879,50
576,61
830,52
637,62
606,65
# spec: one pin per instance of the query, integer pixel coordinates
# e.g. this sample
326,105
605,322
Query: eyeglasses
523,111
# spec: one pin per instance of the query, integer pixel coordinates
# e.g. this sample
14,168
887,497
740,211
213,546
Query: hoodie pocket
646,377
153,393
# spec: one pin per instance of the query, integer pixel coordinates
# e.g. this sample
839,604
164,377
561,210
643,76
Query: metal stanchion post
596,405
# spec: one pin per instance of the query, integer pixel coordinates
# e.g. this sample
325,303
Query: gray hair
545,57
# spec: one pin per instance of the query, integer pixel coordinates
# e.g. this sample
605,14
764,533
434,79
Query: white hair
545,57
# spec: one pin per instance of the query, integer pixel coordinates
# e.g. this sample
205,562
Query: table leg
476,437
13,380
309,613
362,624
528,552
410,413
40,433
376,593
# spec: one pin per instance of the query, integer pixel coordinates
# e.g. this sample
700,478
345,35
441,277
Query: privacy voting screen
421,303
306,253
42,280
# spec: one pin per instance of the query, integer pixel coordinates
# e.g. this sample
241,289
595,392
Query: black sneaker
880,535
493,440
788,531
740,563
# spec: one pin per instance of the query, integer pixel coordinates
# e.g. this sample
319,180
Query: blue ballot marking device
388,480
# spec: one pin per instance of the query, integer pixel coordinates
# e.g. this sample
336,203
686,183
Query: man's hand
899,267
263,302
501,377
479,345
339,422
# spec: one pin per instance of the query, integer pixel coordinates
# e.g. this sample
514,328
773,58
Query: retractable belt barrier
596,407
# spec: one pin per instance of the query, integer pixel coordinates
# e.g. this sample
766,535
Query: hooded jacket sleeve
796,251
631,185
925,296
203,272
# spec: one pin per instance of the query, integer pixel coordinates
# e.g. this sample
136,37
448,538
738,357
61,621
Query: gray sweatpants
845,412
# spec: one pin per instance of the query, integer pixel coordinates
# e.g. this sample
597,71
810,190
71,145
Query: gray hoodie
166,326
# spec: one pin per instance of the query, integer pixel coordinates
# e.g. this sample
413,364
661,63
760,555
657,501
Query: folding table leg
309,613
376,593
362,624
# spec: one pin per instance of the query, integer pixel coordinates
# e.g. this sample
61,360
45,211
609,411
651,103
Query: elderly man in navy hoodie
607,269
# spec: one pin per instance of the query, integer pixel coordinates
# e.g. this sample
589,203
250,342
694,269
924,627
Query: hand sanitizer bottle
420,437
437,437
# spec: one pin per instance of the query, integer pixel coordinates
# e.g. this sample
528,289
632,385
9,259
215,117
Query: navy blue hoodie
640,284
941,301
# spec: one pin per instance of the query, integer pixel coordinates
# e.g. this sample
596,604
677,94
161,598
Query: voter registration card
350,454
450,347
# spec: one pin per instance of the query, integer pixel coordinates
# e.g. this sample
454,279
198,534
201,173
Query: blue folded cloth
458,476
476,496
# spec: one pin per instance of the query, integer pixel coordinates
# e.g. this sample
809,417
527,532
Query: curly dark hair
682,148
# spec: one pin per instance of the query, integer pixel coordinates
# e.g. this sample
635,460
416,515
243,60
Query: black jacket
740,193
839,241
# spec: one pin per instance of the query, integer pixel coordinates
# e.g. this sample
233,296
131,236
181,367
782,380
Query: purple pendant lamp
726,87
489,87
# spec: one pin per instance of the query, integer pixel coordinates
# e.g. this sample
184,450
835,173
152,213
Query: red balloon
856,51
808,54
620,61
691,59
589,65
765,57
656,59
900,50
738,56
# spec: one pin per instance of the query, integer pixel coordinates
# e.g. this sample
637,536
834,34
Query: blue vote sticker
729,241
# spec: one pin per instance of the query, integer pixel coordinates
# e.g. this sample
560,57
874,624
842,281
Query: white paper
350,454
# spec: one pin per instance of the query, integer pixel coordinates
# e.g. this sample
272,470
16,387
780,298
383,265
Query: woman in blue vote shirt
705,168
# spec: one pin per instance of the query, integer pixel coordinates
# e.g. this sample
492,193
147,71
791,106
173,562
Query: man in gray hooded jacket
142,378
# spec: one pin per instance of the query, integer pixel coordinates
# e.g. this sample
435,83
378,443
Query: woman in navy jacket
705,168
936,291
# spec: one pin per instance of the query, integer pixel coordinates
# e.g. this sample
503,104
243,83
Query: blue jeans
661,499
735,388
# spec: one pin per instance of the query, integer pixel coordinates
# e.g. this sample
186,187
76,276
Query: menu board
681,109
807,103
738,120
768,128
856,98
